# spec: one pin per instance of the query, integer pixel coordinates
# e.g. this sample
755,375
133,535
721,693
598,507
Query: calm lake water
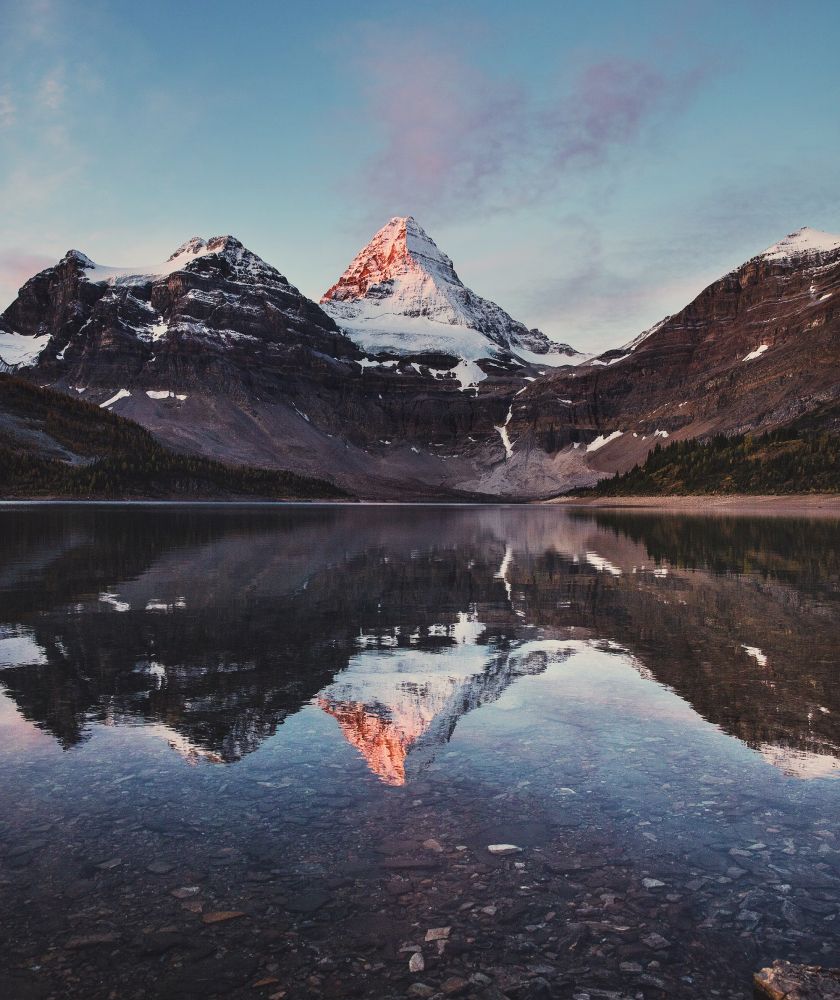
262,752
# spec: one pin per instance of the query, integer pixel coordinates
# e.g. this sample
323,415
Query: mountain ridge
217,354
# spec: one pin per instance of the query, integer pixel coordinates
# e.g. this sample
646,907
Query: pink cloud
453,136
610,103
445,126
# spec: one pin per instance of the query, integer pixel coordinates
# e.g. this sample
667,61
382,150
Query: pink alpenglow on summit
401,294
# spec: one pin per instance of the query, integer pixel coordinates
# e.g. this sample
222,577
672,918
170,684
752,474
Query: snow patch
601,440
121,394
164,394
756,654
469,374
756,353
372,363
21,351
503,434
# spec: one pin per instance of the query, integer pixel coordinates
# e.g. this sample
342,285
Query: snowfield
805,242
18,350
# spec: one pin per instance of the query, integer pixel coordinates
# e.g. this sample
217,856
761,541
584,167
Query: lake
264,751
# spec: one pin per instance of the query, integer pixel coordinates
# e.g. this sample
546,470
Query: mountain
209,301
214,628
406,385
755,351
401,295
51,445
216,353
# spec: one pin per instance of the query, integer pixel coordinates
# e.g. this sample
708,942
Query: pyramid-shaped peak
400,248
401,293
77,257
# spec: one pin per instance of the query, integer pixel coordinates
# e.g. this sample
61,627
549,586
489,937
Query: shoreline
823,504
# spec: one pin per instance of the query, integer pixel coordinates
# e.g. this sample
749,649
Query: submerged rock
416,963
221,916
785,981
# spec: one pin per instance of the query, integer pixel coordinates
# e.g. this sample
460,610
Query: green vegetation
795,459
55,446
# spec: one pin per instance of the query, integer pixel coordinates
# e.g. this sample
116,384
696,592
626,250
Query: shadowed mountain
404,383
215,626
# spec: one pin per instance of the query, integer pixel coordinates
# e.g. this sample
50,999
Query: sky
590,167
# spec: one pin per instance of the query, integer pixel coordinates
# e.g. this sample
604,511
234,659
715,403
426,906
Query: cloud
606,290
453,137
8,111
445,127
52,90
611,103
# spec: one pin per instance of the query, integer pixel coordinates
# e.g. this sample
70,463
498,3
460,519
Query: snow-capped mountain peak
400,249
243,264
193,247
805,242
401,294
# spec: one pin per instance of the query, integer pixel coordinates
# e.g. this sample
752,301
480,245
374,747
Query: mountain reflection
213,626
391,701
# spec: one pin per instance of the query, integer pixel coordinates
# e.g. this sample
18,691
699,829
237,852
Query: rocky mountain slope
408,385
755,350
54,446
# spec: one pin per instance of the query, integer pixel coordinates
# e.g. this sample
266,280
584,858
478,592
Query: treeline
108,456
789,460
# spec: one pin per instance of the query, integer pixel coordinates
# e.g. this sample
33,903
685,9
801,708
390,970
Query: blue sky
591,167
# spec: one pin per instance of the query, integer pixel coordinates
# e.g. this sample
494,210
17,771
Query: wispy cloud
453,137
611,104
52,90
8,111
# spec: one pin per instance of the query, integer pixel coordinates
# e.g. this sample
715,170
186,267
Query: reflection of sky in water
557,603
554,593
276,700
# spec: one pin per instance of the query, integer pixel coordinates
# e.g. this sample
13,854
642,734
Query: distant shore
806,503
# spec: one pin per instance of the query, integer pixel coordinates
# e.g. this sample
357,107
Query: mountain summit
401,294
805,242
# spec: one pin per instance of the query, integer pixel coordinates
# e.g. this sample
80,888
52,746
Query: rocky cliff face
756,349
408,385
186,319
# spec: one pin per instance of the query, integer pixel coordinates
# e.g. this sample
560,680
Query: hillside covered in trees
801,458
55,446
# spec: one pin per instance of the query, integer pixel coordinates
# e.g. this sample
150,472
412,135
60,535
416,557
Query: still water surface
271,746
